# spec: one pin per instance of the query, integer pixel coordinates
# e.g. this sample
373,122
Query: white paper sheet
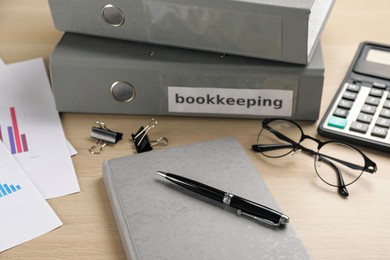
31,129
25,214
72,150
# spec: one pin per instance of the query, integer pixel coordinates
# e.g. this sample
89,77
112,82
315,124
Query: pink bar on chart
24,142
16,130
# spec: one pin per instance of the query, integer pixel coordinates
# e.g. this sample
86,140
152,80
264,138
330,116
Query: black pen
244,207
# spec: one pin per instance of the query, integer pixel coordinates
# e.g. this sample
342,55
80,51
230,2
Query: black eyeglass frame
369,165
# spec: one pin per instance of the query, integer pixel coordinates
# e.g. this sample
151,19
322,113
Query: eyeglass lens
332,162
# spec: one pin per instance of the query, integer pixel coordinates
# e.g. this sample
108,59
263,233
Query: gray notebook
159,220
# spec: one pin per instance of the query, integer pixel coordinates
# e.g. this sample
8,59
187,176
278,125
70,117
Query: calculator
360,111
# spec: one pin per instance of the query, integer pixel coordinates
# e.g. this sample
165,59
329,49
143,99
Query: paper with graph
25,214
31,129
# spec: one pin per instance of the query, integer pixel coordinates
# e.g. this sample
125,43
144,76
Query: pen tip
163,174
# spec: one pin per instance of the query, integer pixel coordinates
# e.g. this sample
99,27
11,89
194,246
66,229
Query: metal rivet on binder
104,137
141,138
113,15
122,91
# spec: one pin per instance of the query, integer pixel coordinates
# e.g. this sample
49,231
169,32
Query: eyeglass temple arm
370,169
281,136
270,147
341,188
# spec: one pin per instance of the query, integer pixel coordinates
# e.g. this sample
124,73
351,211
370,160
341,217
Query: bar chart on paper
7,189
24,212
31,130
11,134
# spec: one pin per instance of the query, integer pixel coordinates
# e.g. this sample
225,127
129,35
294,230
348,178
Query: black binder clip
104,137
142,141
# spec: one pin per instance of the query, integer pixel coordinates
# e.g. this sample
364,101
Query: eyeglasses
280,137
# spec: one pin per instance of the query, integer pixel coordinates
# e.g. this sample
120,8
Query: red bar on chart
24,142
16,130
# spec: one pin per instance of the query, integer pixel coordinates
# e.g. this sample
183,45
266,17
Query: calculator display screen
378,56
373,61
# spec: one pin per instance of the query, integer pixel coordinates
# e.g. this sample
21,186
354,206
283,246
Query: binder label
261,102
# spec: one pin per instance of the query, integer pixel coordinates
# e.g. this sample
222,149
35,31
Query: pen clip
283,219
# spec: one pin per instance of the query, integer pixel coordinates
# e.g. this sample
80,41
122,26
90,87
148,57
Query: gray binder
100,75
158,220
283,30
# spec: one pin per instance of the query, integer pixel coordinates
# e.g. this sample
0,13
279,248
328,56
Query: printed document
25,214
31,129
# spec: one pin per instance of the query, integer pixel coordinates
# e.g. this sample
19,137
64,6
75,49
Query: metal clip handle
96,149
145,130
141,138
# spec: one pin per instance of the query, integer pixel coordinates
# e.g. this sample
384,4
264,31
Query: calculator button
379,85
372,100
379,132
364,118
385,113
340,112
384,122
386,104
353,87
345,104
349,95
358,127
376,92
337,122
368,109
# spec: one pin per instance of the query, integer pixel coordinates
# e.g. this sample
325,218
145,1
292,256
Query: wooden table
331,227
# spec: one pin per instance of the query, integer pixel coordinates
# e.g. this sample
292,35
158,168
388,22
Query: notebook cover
159,220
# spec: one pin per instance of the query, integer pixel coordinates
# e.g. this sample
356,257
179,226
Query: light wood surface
331,227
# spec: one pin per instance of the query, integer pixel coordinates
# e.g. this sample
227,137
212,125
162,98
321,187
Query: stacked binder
193,58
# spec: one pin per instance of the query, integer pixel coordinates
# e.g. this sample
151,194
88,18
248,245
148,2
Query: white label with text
262,102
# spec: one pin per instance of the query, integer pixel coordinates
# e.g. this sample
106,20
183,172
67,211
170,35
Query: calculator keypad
360,111
363,110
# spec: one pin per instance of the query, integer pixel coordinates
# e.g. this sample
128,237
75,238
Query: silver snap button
112,15
122,91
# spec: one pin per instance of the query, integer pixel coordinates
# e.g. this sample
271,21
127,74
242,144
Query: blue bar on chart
11,140
6,189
